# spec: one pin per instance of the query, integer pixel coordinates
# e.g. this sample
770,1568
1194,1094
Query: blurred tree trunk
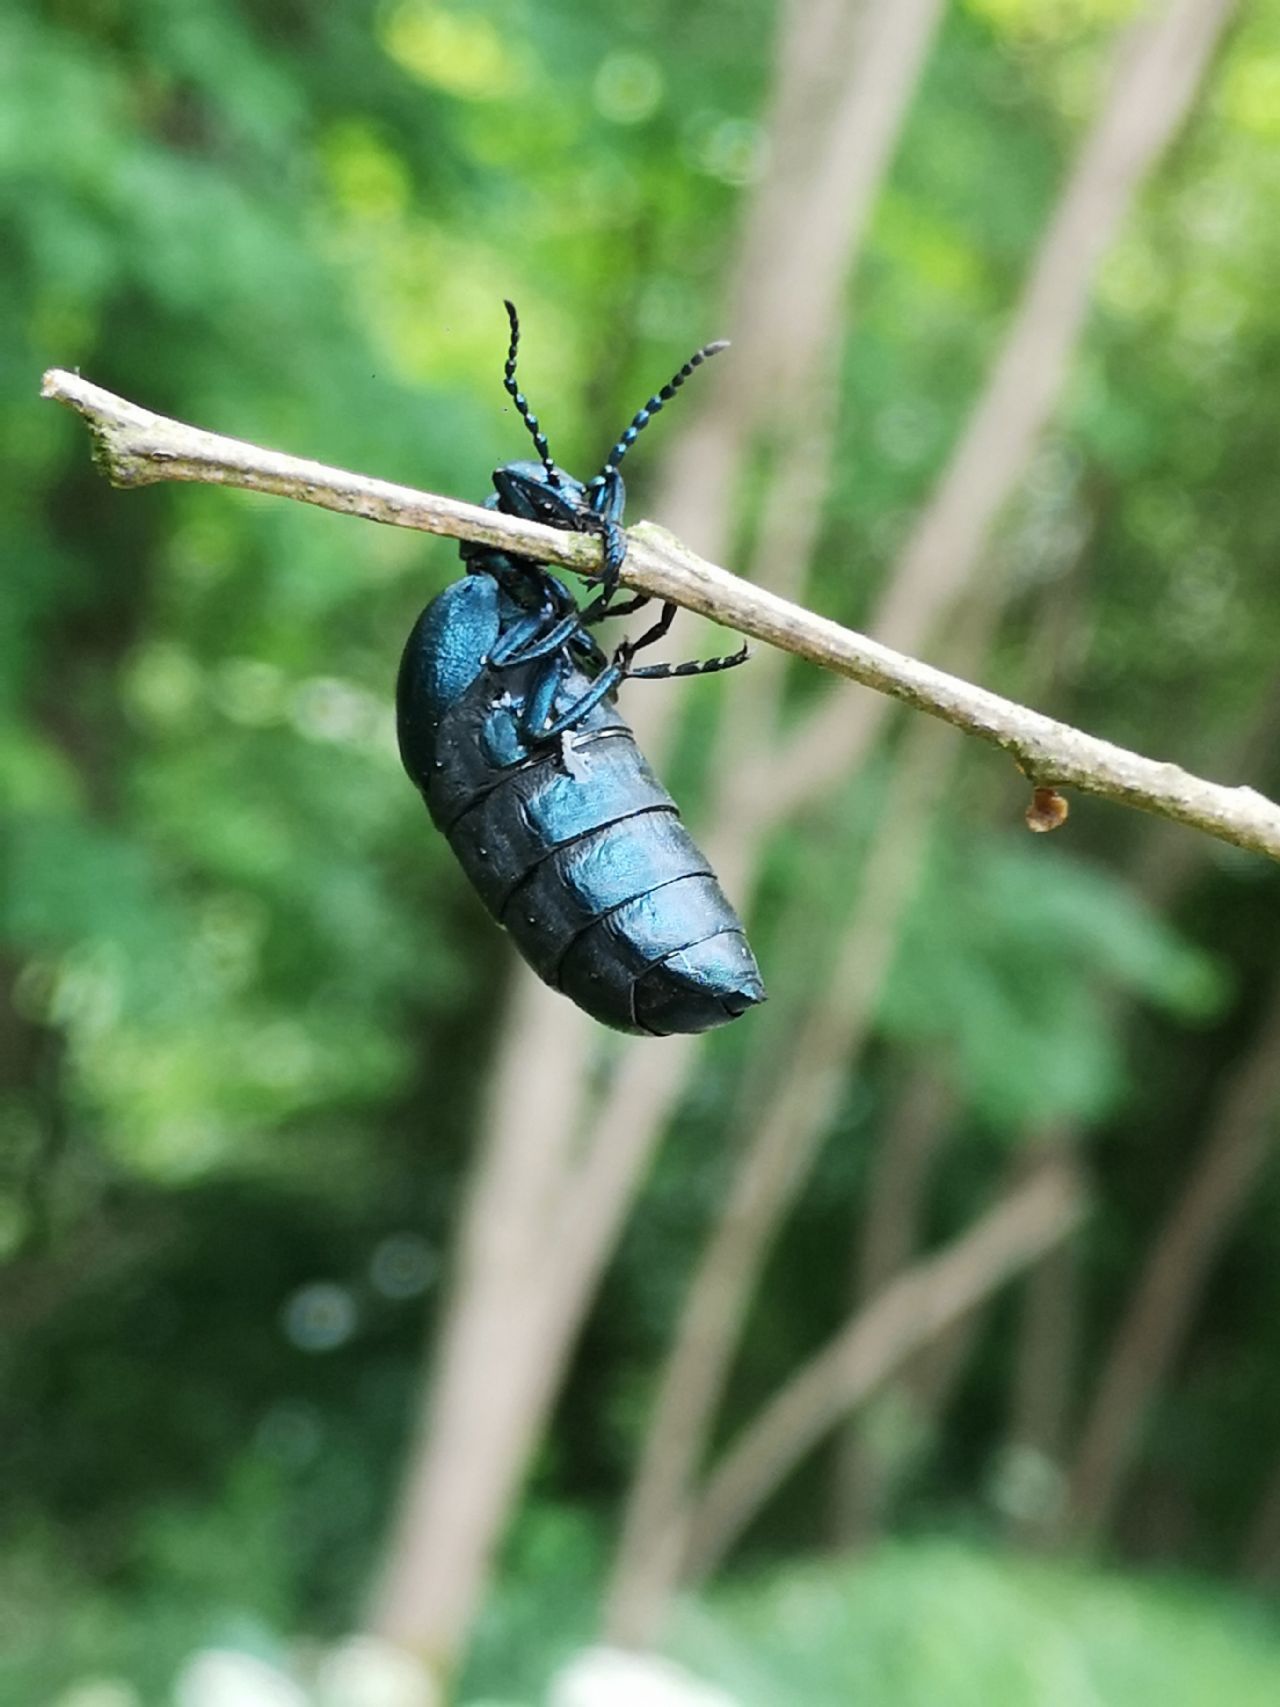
1260,1561
464,1468
500,1357
1043,1372
541,1219
845,72
1158,71
778,1150
1159,67
1155,1322
1041,1417
887,1439
1027,1220
916,1403
868,1457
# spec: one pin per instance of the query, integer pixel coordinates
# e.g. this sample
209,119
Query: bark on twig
137,447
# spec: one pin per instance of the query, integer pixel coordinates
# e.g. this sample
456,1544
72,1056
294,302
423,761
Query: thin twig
136,448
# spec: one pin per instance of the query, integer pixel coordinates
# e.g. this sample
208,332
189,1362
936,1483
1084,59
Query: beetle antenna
521,401
640,420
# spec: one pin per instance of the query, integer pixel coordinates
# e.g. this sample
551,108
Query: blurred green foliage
938,1621
923,1622
1006,967
254,1002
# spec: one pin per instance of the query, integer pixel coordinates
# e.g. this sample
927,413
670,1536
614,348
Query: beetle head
541,492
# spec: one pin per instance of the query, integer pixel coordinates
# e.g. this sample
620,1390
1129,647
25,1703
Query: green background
253,1001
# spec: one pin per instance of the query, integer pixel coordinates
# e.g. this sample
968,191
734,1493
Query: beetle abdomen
544,804
577,848
572,887
667,960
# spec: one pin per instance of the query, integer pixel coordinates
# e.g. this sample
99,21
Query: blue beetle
507,725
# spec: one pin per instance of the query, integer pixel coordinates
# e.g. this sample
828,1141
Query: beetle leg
603,685
600,608
589,651
659,629
615,551
606,682
658,672
523,651
555,591
510,647
693,667
539,701
620,668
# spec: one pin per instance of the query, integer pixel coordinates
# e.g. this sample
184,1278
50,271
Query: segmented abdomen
579,851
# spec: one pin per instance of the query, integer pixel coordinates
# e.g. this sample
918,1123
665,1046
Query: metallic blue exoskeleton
507,724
